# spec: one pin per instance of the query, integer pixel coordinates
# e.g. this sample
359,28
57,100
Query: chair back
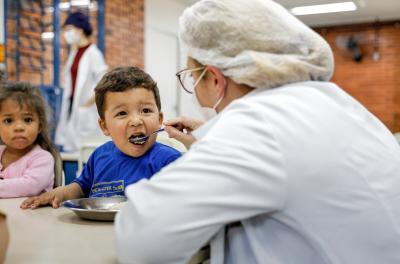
88,145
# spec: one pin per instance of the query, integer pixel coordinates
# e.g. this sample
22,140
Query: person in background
292,169
4,236
27,158
85,67
129,106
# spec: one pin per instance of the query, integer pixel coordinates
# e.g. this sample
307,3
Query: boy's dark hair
122,79
26,95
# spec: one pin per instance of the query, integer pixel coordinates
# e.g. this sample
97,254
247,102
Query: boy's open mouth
138,139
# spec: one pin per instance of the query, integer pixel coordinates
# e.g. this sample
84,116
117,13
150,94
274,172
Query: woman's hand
180,128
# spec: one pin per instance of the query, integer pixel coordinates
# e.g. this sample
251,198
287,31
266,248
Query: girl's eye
28,120
7,121
121,113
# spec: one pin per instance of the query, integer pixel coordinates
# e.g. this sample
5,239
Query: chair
201,257
59,179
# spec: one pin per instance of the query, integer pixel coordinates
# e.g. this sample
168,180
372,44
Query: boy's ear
161,117
103,127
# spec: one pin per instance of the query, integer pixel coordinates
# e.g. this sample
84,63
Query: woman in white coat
291,170
85,67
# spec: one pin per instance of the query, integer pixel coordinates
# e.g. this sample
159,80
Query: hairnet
79,20
254,42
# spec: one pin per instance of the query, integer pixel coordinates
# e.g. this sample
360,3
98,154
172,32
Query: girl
27,158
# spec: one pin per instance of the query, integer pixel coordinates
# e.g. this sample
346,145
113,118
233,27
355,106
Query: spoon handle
159,130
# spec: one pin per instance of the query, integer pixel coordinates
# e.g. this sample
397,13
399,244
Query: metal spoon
142,140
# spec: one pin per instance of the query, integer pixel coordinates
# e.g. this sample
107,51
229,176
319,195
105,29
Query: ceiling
367,11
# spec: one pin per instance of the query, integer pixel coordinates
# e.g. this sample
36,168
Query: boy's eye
121,113
147,110
28,120
7,121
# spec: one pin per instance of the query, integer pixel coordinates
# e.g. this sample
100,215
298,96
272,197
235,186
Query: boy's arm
54,197
4,237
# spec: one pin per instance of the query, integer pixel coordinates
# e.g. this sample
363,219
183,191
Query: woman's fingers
183,122
186,139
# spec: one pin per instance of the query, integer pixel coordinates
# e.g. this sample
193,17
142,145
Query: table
48,235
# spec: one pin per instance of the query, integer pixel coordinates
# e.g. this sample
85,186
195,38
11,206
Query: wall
124,21
124,39
376,84
163,57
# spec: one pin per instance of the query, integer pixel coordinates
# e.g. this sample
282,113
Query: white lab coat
83,120
311,175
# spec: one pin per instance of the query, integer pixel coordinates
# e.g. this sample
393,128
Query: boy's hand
53,198
180,128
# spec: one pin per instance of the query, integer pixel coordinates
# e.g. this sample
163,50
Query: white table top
48,235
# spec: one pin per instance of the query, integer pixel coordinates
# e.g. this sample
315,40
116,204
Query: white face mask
207,112
72,37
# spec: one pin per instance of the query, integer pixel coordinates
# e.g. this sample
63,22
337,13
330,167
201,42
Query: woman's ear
219,79
103,127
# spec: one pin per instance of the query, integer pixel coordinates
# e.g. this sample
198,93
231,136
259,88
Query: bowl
99,208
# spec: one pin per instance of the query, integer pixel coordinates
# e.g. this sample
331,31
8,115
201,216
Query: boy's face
131,113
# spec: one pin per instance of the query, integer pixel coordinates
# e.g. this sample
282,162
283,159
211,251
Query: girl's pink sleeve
36,178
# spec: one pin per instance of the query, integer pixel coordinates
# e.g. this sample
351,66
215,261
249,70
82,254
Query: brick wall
124,41
376,84
124,32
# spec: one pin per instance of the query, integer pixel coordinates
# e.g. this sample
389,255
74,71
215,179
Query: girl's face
132,113
19,127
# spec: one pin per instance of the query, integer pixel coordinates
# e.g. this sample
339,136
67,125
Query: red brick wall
124,39
124,32
376,84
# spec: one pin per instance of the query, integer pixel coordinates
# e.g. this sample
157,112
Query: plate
99,209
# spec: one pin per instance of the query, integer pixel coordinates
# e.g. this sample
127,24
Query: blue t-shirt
109,171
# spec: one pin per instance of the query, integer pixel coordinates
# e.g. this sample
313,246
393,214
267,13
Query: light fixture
325,8
80,2
47,35
64,6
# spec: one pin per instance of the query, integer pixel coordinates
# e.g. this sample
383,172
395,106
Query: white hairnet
254,42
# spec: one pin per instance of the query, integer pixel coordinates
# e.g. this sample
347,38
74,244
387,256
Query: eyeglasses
186,79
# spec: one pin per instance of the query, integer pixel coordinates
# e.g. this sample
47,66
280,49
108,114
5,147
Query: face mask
71,37
207,112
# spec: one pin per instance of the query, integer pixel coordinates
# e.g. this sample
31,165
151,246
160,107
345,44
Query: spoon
142,140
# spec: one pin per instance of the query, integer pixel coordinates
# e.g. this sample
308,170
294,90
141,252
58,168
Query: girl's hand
180,128
53,198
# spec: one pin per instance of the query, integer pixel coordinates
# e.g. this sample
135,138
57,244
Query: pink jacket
30,175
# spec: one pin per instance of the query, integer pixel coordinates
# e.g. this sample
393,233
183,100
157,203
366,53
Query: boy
128,103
